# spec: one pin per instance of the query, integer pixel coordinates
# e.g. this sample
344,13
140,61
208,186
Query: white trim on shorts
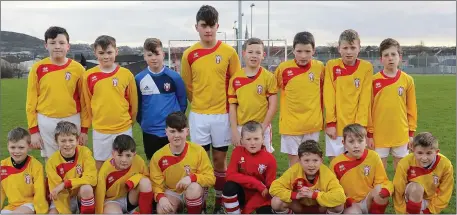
290,143
333,147
74,205
210,128
28,205
398,152
103,143
47,126
267,136
122,202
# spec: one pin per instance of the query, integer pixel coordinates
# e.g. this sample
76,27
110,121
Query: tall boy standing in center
206,69
110,96
347,92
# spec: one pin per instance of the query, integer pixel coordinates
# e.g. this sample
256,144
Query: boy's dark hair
123,143
349,35
304,38
251,126
177,120
356,130
251,41
151,44
17,134
53,31
65,128
309,146
425,139
104,41
387,43
208,14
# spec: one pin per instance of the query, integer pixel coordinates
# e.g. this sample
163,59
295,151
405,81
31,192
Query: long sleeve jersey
393,117
300,109
347,93
251,94
437,181
368,171
159,94
255,173
166,169
73,174
113,184
111,99
24,185
327,190
206,74
54,91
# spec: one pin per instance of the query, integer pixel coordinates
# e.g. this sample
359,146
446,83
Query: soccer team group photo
208,132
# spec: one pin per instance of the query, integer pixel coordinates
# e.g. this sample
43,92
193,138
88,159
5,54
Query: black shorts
153,143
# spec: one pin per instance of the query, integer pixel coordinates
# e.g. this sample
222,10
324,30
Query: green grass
436,113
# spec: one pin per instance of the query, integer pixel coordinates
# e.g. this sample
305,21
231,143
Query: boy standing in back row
347,92
206,69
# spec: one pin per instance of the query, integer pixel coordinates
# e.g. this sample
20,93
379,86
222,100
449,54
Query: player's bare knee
194,190
145,185
278,205
336,210
112,208
414,192
86,191
352,210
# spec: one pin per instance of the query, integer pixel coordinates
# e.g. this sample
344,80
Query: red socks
145,200
87,206
231,204
218,187
194,206
413,207
377,208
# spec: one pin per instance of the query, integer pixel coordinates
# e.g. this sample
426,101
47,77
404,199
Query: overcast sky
132,22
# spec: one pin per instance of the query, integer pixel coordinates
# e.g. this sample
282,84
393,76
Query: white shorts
398,152
210,128
47,126
363,205
176,195
103,143
29,205
290,143
74,205
122,202
268,138
333,147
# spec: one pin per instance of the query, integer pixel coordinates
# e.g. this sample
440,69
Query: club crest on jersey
218,59
187,169
366,170
166,86
262,168
400,91
259,89
436,179
290,73
79,169
67,76
27,178
115,82
311,76
357,82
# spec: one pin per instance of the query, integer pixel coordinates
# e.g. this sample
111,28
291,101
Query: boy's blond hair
66,128
17,134
350,36
425,139
357,130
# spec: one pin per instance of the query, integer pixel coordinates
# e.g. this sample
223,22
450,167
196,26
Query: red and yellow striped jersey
54,91
368,171
111,99
300,109
251,94
347,93
24,185
393,117
206,74
437,181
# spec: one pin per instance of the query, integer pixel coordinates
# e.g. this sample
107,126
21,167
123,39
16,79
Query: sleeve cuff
130,185
370,135
193,178
159,196
84,130
293,196
331,124
384,193
315,195
34,130
411,133
67,184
